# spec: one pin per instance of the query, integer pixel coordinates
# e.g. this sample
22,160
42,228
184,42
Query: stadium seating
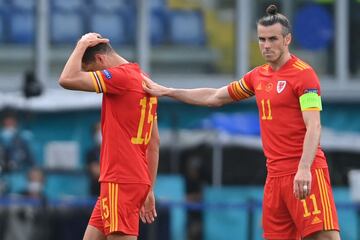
66,27
114,20
111,25
68,5
2,31
25,5
67,20
157,4
22,26
112,5
158,26
158,22
21,17
186,27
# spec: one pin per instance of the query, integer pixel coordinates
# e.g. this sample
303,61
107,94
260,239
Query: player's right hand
153,88
92,39
148,210
302,183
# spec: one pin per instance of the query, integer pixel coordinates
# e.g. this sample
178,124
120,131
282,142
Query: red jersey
282,126
127,117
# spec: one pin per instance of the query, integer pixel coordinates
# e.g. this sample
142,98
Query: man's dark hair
89,55
274,17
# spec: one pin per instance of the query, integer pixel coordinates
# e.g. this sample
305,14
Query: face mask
98,137
35,187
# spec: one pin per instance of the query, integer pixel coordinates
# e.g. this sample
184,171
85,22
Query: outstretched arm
72,77
210,97
148,210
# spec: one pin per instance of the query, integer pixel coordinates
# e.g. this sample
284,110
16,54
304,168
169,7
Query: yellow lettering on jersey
138,139
264,116
316,210
306,211
105,208
150,120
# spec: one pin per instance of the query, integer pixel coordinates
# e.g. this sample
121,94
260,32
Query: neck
117,60
276,65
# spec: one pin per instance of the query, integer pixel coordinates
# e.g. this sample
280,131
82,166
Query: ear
99,59
288,39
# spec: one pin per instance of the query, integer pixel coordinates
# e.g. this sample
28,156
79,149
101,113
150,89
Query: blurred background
212,168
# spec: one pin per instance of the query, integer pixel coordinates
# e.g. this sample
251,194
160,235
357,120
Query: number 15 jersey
127,117
278,97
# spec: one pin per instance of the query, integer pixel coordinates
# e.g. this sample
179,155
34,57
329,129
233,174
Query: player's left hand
302,183
148,210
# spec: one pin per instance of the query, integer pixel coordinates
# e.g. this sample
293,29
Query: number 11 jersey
281,96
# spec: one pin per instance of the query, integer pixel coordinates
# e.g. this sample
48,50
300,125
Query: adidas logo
316,220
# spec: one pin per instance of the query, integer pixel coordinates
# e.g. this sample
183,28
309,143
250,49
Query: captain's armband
309,101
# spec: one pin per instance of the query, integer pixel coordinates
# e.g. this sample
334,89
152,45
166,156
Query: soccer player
130,138
298,200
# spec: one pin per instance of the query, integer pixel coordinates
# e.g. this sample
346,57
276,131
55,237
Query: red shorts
285,217
117,208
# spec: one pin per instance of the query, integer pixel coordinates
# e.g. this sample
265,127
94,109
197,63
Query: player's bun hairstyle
271,10
89,55
274,17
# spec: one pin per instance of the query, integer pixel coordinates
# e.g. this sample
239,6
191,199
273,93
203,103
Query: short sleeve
115,80
307,88
242,88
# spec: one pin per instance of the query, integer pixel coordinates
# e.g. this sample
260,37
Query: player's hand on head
92,39
148,210
153,88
